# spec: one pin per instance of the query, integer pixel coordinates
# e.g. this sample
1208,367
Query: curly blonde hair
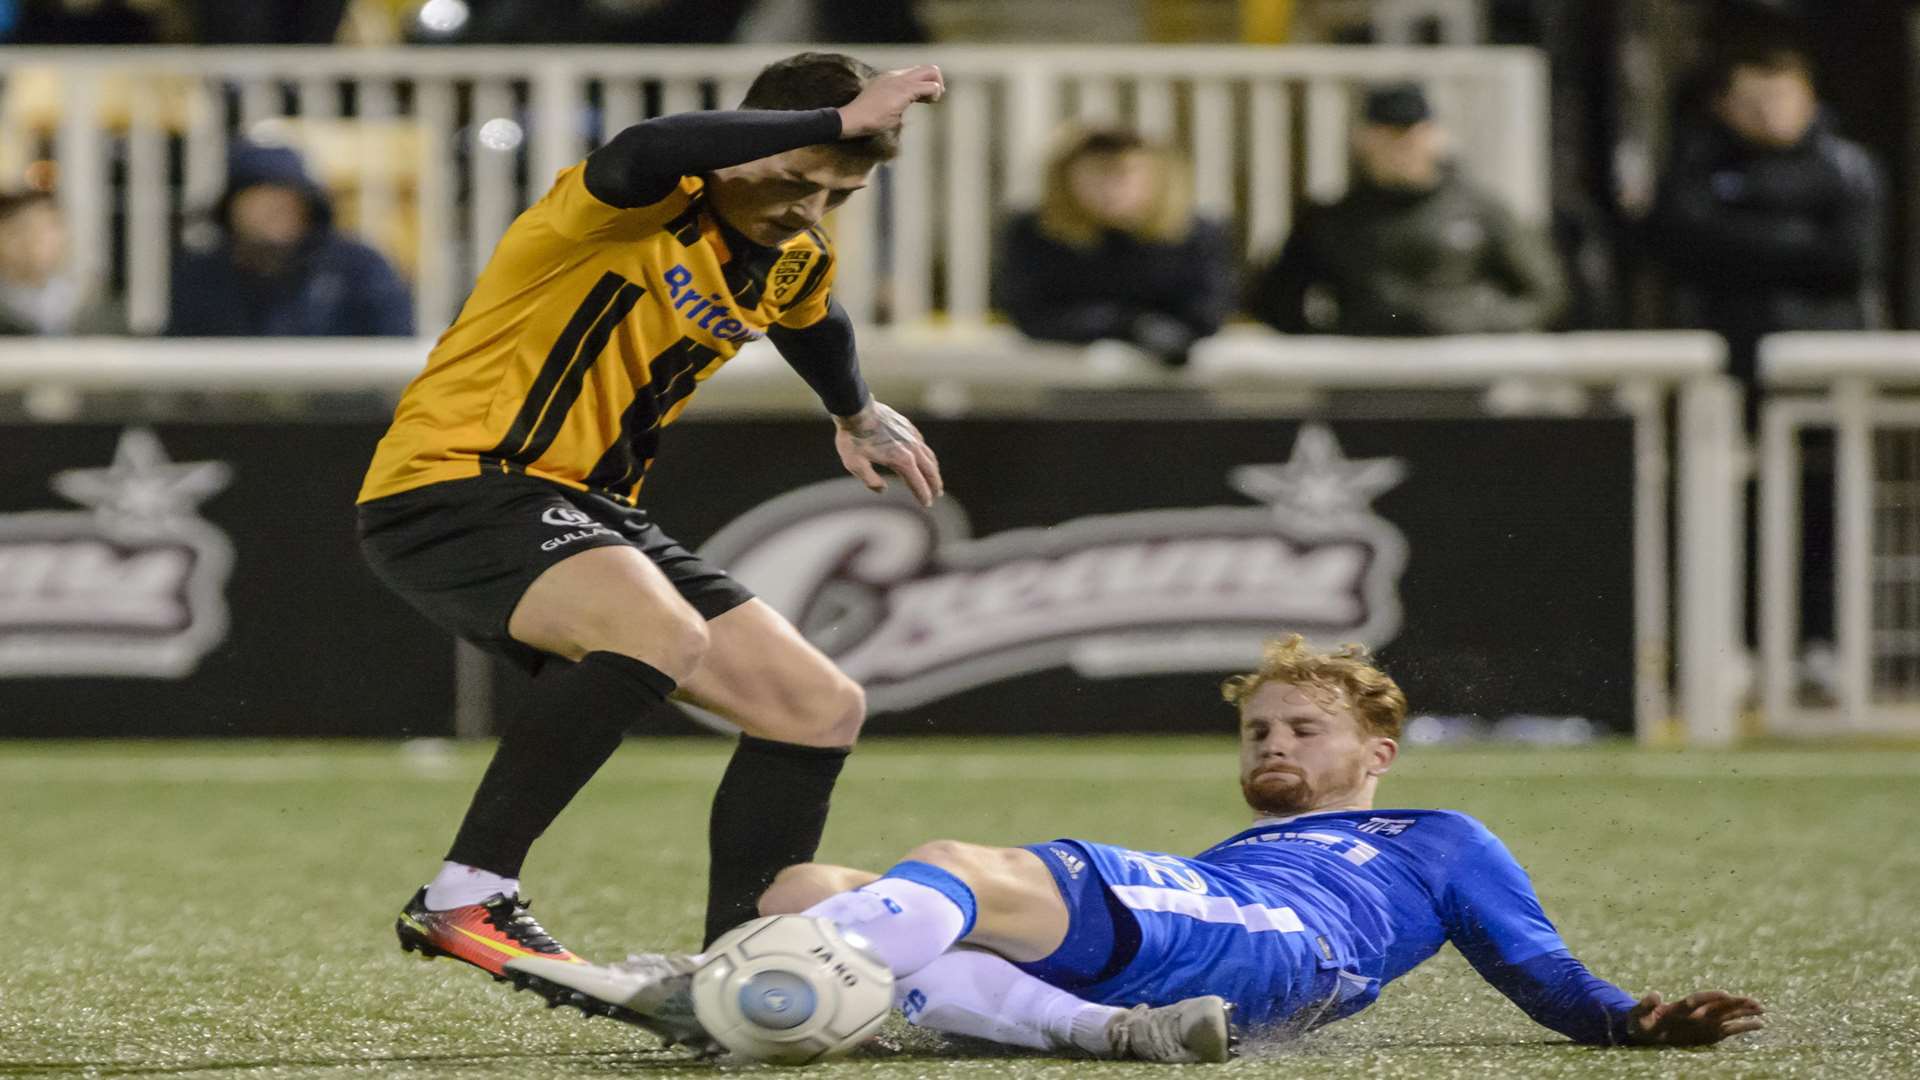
1376,700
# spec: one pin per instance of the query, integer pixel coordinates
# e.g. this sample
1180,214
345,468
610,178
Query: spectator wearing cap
1767,219
1413,248
279,268
40,295
1115,251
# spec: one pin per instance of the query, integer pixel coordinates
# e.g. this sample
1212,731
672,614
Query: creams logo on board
134,585
916,608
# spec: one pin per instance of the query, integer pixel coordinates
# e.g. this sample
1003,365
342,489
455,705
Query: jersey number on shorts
1165,870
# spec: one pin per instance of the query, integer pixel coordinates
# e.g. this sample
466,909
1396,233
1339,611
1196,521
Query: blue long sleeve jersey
1392,886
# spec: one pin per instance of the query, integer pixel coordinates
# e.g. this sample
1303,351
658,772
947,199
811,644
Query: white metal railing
1863,387
921,248
950,371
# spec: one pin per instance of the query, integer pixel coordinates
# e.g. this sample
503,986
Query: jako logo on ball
846,975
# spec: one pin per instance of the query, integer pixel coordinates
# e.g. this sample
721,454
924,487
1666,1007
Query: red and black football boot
486,934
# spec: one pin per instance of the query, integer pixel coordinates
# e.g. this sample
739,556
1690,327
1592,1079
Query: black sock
571,727
767,815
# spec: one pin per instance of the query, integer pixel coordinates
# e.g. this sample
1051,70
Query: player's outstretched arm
642,164
1494,918
1694,1020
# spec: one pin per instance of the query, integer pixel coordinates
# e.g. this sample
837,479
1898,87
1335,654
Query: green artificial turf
225,909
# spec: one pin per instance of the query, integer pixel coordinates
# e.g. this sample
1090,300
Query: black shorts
463,552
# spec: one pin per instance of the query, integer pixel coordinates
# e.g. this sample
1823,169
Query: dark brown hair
1771,53
12,202
820,80
1104,141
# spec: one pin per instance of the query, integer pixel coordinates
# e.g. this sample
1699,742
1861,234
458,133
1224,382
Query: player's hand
884,100
1705,1017
879,436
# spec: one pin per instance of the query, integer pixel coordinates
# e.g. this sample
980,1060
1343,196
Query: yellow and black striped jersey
586,334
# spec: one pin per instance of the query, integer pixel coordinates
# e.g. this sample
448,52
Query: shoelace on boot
1137,1036
513,919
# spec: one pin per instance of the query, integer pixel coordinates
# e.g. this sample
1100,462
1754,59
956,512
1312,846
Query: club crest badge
788,272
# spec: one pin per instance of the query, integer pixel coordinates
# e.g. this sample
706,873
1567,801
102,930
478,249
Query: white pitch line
1105,764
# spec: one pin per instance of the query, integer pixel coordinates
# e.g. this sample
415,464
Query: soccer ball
789,990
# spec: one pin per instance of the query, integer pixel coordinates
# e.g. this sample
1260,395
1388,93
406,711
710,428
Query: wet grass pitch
226,909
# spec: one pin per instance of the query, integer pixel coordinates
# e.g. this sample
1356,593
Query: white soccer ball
790,990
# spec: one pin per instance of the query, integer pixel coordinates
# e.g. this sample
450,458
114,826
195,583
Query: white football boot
1191,1032
649,990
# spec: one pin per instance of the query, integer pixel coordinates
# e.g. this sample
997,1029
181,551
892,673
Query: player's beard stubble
1281,789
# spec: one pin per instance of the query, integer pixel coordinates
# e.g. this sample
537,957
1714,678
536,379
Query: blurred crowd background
1716,164
1734,166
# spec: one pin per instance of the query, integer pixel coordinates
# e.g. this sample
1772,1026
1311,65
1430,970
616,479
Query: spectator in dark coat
600,22
266,22
279,268
84,22
1116,252
1413,247
1766,219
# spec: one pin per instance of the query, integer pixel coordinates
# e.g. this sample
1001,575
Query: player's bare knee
674,642
961,859
801,886
844,712
991,873
545,629
797,888
818,712
686,643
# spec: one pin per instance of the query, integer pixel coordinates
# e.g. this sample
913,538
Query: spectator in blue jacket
279,269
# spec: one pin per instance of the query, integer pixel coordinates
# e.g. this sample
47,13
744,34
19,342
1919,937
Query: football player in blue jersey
1293,922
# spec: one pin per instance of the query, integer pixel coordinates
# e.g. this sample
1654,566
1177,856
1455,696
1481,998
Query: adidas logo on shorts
1068,859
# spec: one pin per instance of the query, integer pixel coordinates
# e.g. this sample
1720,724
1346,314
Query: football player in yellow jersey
501,501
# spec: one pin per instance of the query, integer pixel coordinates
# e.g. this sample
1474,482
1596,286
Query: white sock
971,992
457,885
907,924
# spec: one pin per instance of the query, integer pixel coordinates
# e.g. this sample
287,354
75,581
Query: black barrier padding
316,646
1517,593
